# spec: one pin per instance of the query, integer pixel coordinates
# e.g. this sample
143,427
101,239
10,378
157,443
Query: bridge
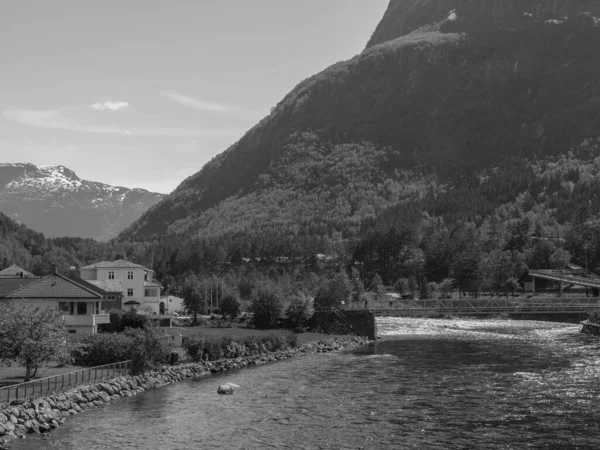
561,277
491,306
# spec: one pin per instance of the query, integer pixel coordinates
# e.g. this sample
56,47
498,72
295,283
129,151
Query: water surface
430,384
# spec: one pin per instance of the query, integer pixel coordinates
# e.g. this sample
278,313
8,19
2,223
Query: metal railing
58,383
492,306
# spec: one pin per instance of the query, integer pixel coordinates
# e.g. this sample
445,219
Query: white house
140,291
171,304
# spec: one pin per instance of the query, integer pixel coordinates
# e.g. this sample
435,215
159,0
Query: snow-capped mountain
56,202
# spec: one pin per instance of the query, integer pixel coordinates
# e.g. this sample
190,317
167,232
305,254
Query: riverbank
44,414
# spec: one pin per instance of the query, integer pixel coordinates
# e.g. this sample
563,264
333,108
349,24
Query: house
15,271
138,289
170,304
79,306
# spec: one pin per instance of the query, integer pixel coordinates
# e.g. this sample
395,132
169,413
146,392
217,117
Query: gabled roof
111,286
15,271
8,285
54,286
100,287
118,264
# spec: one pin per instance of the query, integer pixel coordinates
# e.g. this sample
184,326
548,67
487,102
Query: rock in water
227,388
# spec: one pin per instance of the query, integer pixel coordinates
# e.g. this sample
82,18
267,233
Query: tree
266,306
229,306
300,309
376,282
195,295
32,336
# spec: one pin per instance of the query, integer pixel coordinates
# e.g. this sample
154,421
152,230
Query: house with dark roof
15,271
135,282
80,306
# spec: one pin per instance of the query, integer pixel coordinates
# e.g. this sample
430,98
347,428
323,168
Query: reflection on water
433,384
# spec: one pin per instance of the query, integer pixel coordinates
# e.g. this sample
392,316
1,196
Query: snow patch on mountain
52,199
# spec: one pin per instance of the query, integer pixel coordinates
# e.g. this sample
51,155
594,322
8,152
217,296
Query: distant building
133,281
171,304
15,271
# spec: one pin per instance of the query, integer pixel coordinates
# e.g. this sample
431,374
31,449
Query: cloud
54,119
110,106
205,105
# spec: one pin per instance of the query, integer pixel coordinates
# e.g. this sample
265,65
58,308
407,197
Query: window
151,293
111,297
81,309
130,275
130,292
72,331
111,275
63,307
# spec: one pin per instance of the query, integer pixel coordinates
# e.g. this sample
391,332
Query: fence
63,381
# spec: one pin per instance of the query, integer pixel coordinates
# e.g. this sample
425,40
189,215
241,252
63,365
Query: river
429,384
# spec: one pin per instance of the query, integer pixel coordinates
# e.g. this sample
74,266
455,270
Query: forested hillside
453,98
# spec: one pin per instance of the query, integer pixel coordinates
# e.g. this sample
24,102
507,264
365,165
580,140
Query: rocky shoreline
44,414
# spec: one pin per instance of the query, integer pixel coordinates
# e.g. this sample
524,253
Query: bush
199,349
194,347
133,319
100,349
266,307
145,347
150,346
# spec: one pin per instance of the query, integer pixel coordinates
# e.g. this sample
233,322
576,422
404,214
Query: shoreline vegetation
46,413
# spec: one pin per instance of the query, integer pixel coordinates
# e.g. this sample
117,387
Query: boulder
228,389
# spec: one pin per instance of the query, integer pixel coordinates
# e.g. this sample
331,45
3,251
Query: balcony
90,321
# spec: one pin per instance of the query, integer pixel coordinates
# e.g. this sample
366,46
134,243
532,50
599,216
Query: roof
118,264
8,285
91,284
171,296
150,284
54,286
132,302
111,286
15,271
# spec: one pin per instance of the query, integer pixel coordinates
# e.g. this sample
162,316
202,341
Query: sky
142,93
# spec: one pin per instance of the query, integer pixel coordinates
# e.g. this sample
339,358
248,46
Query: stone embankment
44,414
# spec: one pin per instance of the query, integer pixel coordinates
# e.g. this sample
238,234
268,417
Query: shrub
199,349
145,346
150,346
100,349
194,347
133,319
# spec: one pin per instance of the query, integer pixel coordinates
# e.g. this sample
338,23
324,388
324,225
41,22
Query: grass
17,373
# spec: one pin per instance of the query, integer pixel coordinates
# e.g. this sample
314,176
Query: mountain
55,201
446,91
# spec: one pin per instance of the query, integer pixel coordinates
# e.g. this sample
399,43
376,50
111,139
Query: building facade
79,306
136,283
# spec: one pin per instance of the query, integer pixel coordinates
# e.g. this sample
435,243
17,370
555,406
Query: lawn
16,374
